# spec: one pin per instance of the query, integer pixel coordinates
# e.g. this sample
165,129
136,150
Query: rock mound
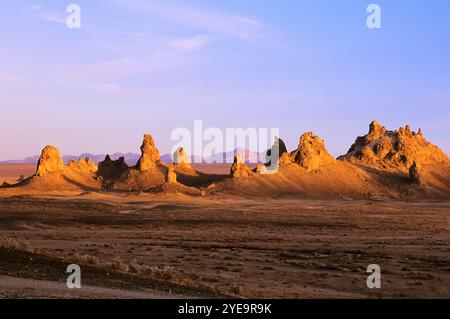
52,175
134,180
84,166
150,154
5,185
393,149
176,188
109,169
261,169
171,176
181,158
239,169
415,174
149,171
311,153
50,161
279,152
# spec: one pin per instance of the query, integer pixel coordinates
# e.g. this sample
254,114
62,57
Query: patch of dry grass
13,244
87,260
165,272
116,265
235,288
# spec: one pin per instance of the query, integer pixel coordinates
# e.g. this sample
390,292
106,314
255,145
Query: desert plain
211,231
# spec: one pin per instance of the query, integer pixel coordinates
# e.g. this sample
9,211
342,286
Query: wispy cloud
49,15
132,43
114,68
198,18
141,54
146,51
124,67
189,43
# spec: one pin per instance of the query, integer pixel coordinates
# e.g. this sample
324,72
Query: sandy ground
27,273
11,173
11,287
221,169
269,249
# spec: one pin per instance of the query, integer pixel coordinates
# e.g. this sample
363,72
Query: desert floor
11,173
172,246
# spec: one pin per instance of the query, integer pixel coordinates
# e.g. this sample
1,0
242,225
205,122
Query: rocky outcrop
50,161
148,172
311,153
109,168
239,169
393,149
149,154
171,176
181,158
4,185
285,159
84,166
278,152
415,174
261,169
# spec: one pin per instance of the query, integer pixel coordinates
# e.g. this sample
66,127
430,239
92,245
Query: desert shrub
235,288
134,267
165,272
87,259
207,287
150,271
13,244
116,265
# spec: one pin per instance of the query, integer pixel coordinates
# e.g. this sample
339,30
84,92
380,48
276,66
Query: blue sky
141,66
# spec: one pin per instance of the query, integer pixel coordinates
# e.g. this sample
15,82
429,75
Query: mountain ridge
132,158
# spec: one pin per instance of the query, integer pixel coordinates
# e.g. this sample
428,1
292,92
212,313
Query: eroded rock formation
261,169
415,173
50,161
84,166
393,149
109,168
239,169
171,176
278,152
311,153
150,154
181,158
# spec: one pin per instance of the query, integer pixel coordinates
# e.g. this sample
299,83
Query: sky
151,66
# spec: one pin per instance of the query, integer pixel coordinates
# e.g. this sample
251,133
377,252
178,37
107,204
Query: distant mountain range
132,158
